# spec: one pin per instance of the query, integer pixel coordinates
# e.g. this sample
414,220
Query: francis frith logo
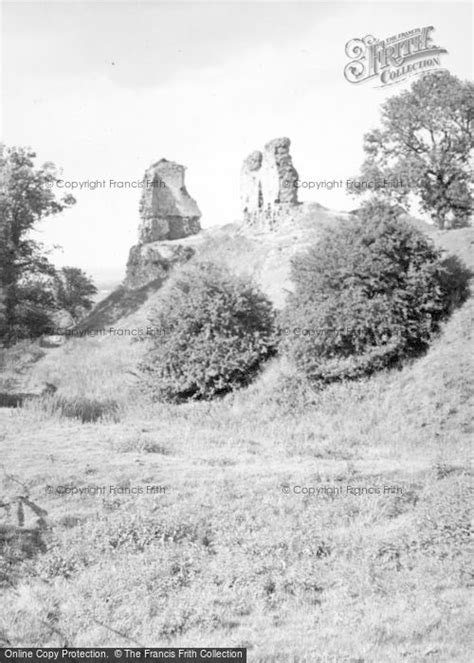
393,59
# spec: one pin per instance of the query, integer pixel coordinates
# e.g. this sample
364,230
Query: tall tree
425,146
26,197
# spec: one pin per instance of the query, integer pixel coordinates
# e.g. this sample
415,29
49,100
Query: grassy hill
264,256
258,522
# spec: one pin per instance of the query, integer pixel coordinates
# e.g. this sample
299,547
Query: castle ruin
268,185
167,211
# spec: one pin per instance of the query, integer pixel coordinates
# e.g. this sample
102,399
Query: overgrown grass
223,556
218,554
95,378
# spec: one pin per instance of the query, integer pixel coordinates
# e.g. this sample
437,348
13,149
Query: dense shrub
213,330
371,292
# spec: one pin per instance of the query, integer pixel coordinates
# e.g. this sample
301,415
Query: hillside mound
262,255
274,228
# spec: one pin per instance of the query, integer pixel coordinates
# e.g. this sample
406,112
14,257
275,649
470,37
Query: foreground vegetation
370,294
219,554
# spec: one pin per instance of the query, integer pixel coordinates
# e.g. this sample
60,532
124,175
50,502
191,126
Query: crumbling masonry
268,185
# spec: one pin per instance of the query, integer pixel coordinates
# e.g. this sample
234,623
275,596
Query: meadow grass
212,551
173,525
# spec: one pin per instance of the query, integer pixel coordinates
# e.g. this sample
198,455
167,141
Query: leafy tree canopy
425,146
26,197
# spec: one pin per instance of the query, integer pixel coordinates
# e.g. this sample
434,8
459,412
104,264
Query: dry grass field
330,524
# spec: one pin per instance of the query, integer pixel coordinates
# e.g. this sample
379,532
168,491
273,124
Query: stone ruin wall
167,211
267,186
269,198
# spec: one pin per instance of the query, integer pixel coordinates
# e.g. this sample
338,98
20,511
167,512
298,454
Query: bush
370,293
213,330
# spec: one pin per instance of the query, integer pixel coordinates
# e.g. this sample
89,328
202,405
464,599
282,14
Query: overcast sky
103,89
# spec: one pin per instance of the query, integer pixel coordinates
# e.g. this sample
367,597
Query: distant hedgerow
215,331
370,293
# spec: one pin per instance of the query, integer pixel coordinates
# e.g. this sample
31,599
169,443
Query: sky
104,89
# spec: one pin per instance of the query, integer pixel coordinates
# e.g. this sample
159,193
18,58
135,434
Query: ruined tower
268,185
167,211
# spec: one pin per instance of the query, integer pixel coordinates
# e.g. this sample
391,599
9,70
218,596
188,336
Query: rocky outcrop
148,262
167,211
268,189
